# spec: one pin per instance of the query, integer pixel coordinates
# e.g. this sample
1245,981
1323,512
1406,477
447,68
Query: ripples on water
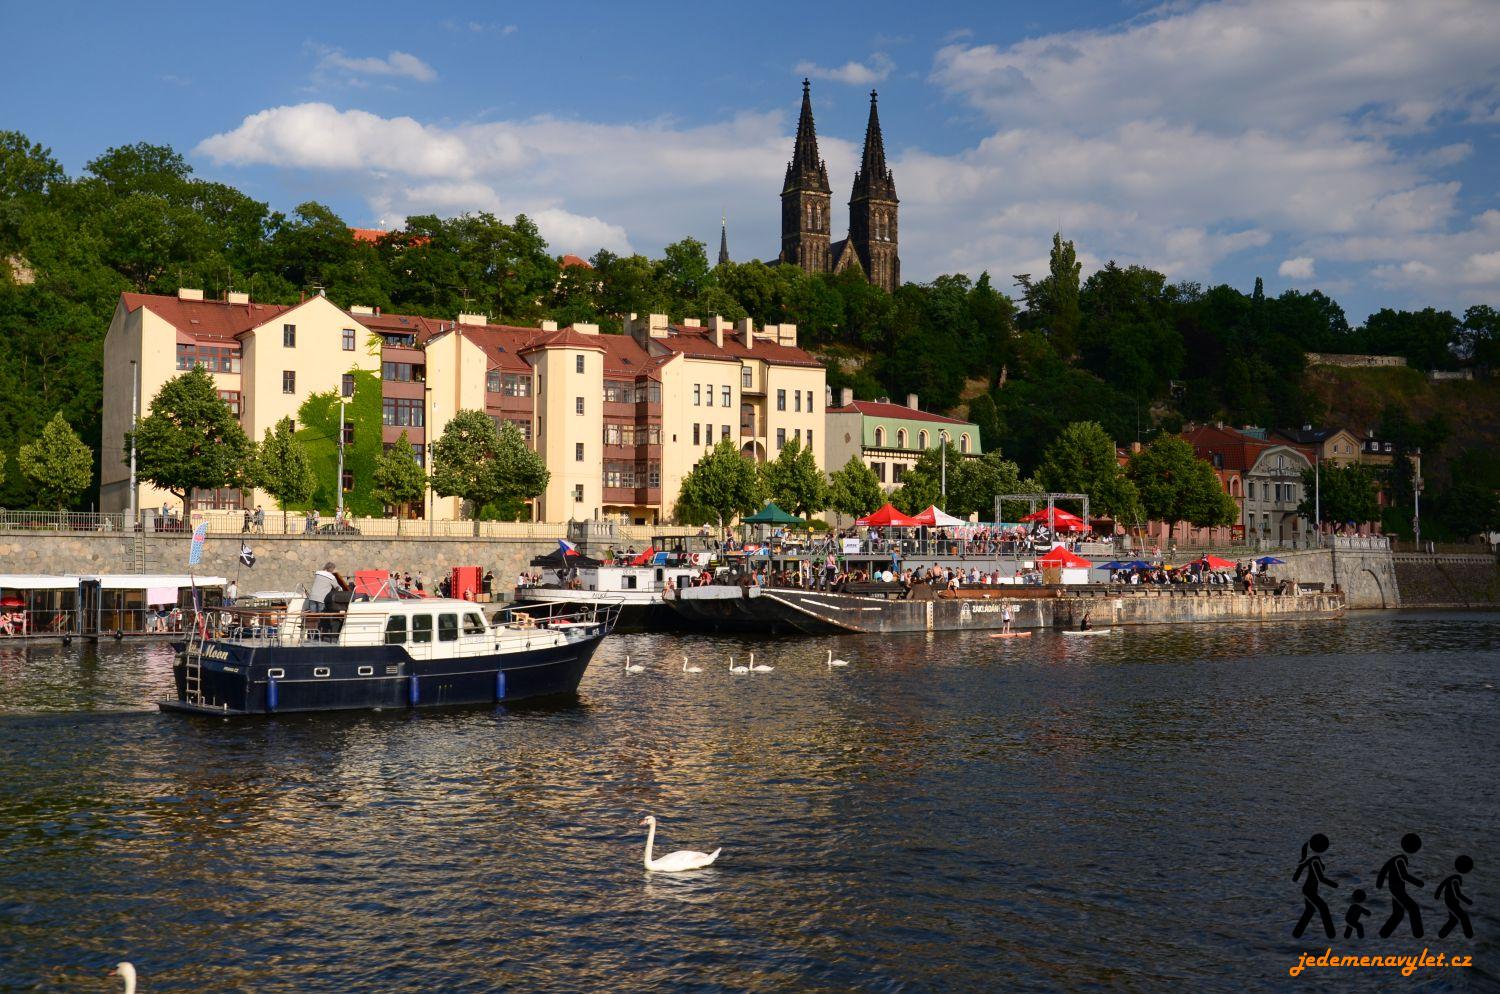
949,813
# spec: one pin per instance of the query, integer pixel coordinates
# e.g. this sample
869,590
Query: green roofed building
890,438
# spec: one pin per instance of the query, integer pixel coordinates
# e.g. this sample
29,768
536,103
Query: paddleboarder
1005,618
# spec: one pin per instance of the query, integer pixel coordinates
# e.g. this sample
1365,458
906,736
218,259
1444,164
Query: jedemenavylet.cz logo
1397,877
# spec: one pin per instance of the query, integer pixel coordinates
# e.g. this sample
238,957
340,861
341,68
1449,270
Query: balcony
633,496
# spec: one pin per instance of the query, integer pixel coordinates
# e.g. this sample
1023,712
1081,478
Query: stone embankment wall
1362,570
281,562
1448,581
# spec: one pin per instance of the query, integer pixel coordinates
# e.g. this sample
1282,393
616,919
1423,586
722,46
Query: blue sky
1344,146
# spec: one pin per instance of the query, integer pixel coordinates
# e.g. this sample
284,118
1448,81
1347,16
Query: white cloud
401,64
873,70
1300,268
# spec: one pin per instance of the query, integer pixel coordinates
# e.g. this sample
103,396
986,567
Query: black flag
247,555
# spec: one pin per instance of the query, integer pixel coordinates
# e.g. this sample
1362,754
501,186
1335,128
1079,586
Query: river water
949,813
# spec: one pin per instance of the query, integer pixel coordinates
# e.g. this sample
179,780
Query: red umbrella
13,602
1060,556
888,516
1061,520
1215,562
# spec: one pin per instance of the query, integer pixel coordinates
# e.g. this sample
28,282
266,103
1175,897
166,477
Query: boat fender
271,694
414,693
499,686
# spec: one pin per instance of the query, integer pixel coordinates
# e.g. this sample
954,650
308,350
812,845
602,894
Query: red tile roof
876,409
204,320
1238,450
573,260
564,338
698,343
368,234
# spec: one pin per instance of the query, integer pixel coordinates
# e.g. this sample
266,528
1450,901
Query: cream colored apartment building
619,420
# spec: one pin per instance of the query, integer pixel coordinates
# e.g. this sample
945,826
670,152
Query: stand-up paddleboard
1087,631
1011,635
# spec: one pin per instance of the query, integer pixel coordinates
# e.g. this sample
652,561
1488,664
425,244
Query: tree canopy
58,464
794,481
722,485
282,468
854,490
398,478
1175,485
191,440
483,465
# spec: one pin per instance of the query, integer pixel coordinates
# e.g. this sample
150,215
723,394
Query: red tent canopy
888,516
1215,562
1060,556
1061,520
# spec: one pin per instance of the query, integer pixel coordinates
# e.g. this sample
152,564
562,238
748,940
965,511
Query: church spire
873,173
723,239
806,168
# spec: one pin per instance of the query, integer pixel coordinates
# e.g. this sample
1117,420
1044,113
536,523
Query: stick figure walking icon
1394,877
1312,901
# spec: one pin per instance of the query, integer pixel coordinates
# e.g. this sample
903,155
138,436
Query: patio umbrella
1271,561
1112,564
1217,562
1060,556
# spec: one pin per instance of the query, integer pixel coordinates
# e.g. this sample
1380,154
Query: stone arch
1375,578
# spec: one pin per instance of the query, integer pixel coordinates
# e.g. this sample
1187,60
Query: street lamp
427,446
135,396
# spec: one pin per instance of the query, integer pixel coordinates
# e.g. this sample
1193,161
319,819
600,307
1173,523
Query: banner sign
200,535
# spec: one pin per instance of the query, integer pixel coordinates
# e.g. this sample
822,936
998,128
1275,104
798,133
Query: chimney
746,328
911,402
788,335
479,319
549,325
691,323
183,293
585,329
719,324
846,396
717,331
658,326
233,297
1135,447
361,309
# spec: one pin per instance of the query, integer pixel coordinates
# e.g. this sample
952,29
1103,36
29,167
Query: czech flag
568,548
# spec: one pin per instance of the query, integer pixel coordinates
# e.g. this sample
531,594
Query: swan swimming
762,668
737,669
690,669
127,972
683,859
636,668
836,662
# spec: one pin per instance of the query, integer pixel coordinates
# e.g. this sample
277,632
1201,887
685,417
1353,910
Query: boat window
276,673
628,582
320,671
421,628
473,623
395,629
366,671
447,628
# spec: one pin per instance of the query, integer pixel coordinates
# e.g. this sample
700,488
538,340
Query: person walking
1312,901
260,520
1394,877
249,516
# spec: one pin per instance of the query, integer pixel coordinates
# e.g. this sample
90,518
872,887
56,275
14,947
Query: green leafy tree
398,478
794,481
980,481
1052,302
854,490
1175,485
722,485
482,464
191,440
58,464
1083,460
1344,493
282,467
922,485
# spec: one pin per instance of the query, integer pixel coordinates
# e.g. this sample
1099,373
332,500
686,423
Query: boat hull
236,679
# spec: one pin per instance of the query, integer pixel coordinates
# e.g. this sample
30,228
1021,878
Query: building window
900,438
401,412
780,400
780,439
898,470
619,392
747,419
348,480
578,492
491,380
348,433
963,442
577,405
725,432
406,372
809,438
516,385
922,440
708,388
212,358
747,377
724,395
578,364
878,468
288,381
346,385
697,434
797,401
348,339
289,336
232,399
697,395
578,451
524,427
809,402
879,437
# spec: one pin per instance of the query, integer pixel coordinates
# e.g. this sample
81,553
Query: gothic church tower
805,199
872,209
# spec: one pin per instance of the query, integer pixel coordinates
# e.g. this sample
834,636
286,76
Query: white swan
636,668
762,668
836,662
737,669
683,859
127,973
690,669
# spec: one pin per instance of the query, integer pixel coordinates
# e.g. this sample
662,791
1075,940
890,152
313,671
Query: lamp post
339,488
943,437
427,445
1416,497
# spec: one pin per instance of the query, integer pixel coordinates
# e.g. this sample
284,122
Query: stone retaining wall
282,562
1448,581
